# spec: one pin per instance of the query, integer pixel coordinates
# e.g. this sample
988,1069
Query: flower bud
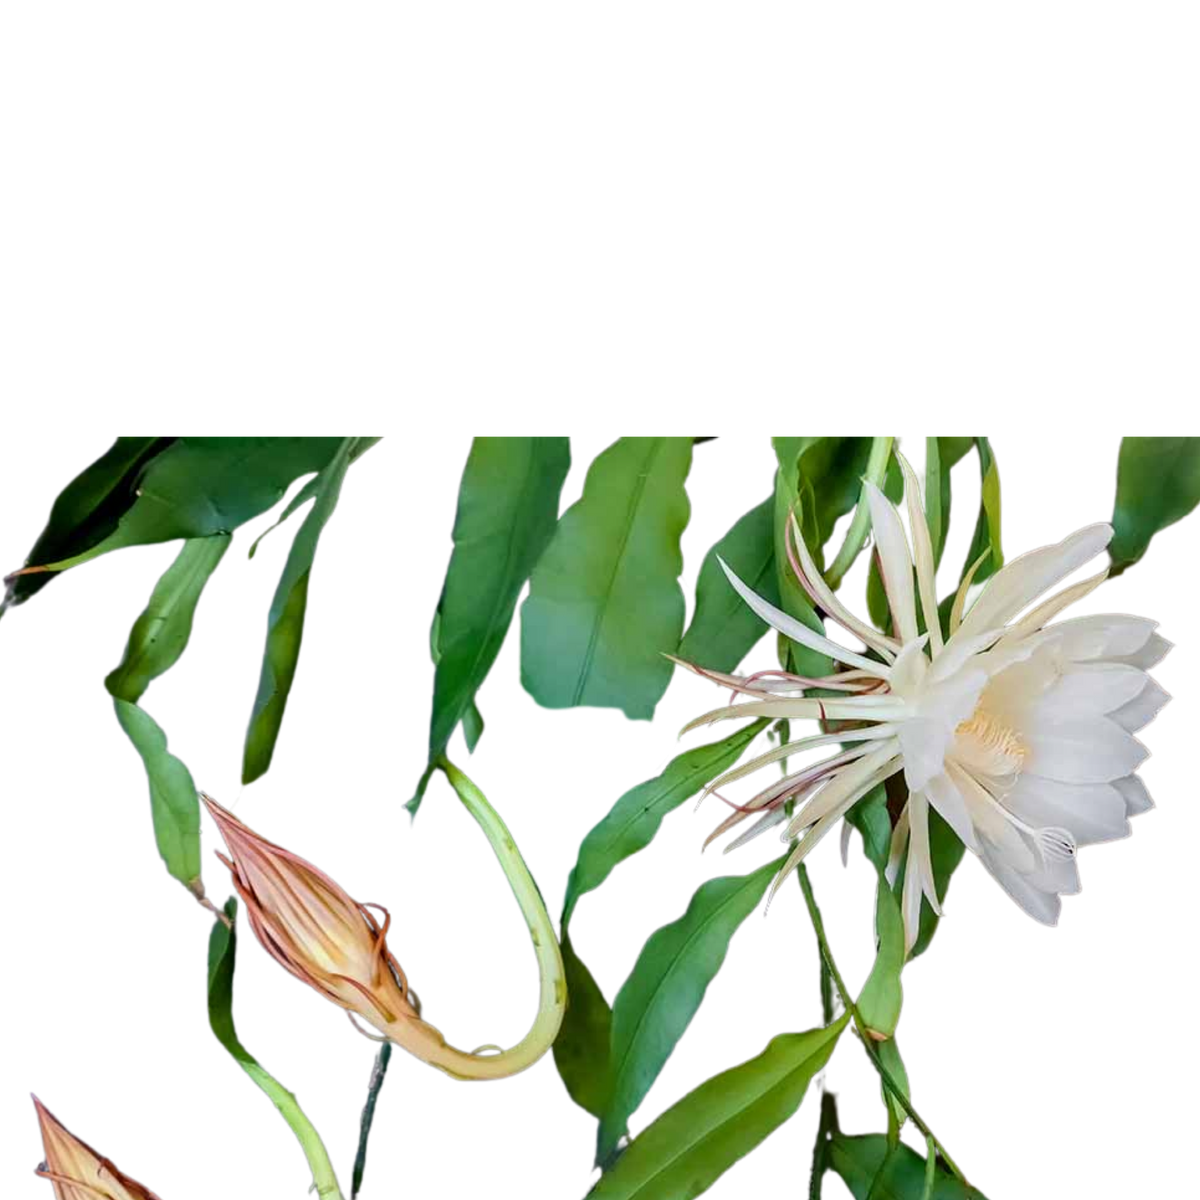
77,1171
335,944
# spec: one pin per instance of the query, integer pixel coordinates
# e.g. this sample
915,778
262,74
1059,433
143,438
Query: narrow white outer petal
895,562
797,631
833,606
1023,580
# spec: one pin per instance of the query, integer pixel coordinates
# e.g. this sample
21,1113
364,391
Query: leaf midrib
619,1076
635,501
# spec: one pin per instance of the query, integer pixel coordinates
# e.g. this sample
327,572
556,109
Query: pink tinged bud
77,1171
322,936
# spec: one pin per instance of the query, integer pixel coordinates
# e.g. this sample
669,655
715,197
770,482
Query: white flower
1017,731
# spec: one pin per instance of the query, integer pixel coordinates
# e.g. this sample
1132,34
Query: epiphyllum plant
1018,730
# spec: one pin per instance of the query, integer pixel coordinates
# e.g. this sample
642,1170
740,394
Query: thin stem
378,1073
860,524
868,1043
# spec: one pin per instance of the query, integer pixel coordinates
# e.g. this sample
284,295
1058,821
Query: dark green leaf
378,1074
472,721
870,817
792,597
507,508
87,510
941,453
858,1159
724,628
889,1055
285,622
696,1141
1158,483
665,988
877,602
582,1050
604,601
631,823
197,487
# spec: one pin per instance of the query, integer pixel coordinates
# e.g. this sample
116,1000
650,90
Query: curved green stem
856,535
539,927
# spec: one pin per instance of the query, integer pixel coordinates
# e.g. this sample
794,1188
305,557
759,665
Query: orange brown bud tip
77,1171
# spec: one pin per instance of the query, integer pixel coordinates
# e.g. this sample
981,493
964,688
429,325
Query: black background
1032,1051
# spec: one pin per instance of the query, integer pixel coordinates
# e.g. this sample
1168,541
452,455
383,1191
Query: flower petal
798,631
1023,580
1142,709
1049,609
919,847
1150,655
1085,751
827,599
946,798
1137,798
1103,635
895,562
1041,905
1089,690
1091,812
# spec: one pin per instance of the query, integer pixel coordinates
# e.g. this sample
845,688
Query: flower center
991,747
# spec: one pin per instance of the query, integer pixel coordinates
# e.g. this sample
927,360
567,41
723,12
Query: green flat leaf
991,497
792,597
1158,483
198,487
882,995
472,721
378,1074
582,1050
696,1141
604,600
858,1159
889,1055
941,454
160,635
312,489
507,509
877,603
172,799
87,510
987,530
870,817
666,987
724,628
222,957
285,622
631,823
158,638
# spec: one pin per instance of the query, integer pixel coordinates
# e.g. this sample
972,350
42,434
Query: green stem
552,1002
377,1080
868,1043
856,535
